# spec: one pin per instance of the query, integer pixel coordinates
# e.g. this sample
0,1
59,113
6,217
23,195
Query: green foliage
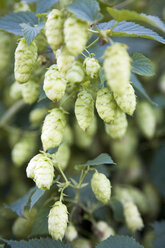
11,22
142,65
119,242
30,32
87,10
44,5
40,225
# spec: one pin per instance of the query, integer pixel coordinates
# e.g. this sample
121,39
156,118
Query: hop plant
118,127
57,220
15,91
82,139
30,91
54,29
117,67
82,243
37,115
54,83
71,233
32,165
103,230
21,7
61,157
76,73
25,58
23,226
127,100
146,119
23,149
53,129
132,217
101,187
106,105
75,35
68,135
84,109
64,59
43,172
92,67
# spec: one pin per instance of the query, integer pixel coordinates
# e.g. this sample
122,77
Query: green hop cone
4,50
106,105
25,58
37,115
76,73
132,216
68,135
41,41
30,91
117,67
117,128
54,83
75,35
61,157
57,220
103,230
84,109
53,129
127,100
92,67
23,150
22,227
32,165
71,233
81,243
21,7
64,59
146,120
43,172
15,91
101,187
82,139
54,29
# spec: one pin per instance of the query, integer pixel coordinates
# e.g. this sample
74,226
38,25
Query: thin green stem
93,43
84,55
62,173
87,51
93,31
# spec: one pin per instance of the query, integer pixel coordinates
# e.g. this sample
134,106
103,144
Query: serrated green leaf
118,241
40,224
36,196
42,95
159,242
88,10
131,29
103,158
19,205
157,171
159,227
34,243
140,89
30,32
117,208
43,5
141,65
11,23
128,15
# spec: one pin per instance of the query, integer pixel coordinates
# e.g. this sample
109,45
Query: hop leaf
30,91
57,220
101,187
127,100
84,109
25,58
53,129
117,67
146,119
132,217
92,67
54,29
75,73
106,105
75,35
64,59
54,84
118,127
